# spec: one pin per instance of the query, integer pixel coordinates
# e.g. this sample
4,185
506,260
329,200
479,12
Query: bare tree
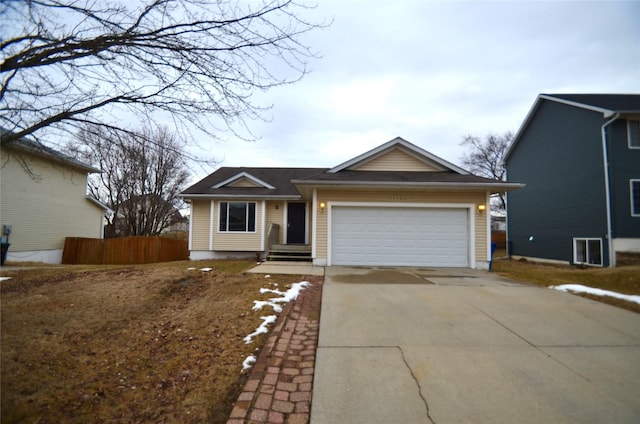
485,157
141,180
66,63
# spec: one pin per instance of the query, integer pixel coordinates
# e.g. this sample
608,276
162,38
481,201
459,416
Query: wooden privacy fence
123,251
499,238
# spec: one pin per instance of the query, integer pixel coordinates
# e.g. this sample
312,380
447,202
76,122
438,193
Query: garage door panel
399,236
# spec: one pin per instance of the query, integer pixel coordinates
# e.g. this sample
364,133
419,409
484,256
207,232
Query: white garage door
399,236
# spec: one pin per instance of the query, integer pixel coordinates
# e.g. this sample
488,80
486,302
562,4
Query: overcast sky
432,72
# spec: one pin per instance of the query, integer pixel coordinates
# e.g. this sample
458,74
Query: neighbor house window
587,251
238,216
635,197
633,132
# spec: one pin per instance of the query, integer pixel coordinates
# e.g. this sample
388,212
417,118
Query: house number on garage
399,198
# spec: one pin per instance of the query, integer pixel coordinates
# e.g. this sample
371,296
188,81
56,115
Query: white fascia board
51,154
524,125
412,149
606,113
98,203
577,104
417,152
239,196
244,174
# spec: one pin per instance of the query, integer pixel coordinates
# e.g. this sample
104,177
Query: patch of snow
579,288
248,362
206,269
275,303
288,296
264,290
267,276
262,329
259,304
5,278
191,269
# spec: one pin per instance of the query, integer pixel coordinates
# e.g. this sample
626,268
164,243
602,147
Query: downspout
605,158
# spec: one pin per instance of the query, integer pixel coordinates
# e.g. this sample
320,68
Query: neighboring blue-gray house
579,158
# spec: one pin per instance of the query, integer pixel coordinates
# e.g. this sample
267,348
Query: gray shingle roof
280,178
293,183
285,180
32,146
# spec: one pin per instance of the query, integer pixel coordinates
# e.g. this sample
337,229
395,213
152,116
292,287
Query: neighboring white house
43,200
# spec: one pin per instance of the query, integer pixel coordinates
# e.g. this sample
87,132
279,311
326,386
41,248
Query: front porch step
289,252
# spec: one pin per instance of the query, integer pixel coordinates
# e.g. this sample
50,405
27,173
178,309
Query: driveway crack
424,399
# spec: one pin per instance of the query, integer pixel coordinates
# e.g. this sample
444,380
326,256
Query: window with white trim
633,133
237,217
634,189
587,251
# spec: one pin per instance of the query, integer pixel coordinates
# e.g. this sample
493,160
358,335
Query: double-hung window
587,251
238,217
635,197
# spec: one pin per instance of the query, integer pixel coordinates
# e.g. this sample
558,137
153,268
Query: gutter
98,203
395,184
51,154
605,158
241,196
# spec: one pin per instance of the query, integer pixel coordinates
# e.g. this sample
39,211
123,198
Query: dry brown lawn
624,279
151,343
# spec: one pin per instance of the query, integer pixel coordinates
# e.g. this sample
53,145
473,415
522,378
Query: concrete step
293,248
289,252
277,256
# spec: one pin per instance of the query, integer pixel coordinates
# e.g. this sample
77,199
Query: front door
296,213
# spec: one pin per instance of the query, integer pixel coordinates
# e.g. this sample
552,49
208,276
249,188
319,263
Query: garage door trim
470,207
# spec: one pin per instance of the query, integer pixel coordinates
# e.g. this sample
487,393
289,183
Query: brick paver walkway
279,386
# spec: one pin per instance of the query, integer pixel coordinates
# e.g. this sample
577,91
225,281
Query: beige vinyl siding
395,160
398,196
321,224
46,207
238,242
244,182
200,224
275,216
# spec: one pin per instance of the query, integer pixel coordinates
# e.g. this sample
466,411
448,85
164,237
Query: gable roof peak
608,104
244,175
404,144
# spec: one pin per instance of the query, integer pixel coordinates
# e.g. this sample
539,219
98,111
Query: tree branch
65,61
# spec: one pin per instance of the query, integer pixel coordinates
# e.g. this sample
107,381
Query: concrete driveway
463,346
